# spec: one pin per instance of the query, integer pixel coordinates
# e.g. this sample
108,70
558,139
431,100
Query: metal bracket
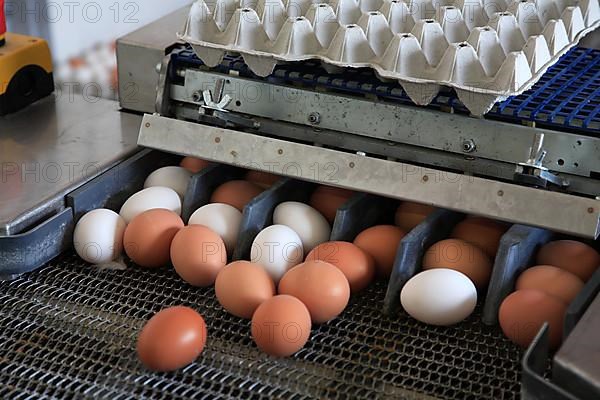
220,101
533,172
215,108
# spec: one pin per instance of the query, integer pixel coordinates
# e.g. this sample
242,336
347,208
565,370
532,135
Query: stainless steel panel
53,146
415,154
138,54
557,211
394,150
569,153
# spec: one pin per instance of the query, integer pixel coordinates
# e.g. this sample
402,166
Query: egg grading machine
68,330
530,156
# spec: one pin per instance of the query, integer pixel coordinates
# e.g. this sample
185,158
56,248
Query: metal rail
570,153
552,210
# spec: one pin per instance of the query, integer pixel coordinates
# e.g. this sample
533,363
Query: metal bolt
425,178
591,210
280,151
147,124
468,146
314,118
500,193
217,140
352,165
197,96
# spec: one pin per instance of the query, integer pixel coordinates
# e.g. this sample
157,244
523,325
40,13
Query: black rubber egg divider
258,214
566,383
203,184
436,227
28,251
516,253
362,211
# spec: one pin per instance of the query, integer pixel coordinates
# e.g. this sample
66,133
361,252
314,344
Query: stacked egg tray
486,51
69,329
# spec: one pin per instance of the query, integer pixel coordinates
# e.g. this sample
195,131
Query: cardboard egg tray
486,50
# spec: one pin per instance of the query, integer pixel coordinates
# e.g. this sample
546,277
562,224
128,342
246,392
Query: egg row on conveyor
497,49
295,276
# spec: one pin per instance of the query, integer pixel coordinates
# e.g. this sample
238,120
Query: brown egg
198,254
409,215
148,237
236,193
322,287
381,242
523,313
482,232
194,165
575,257
172,339
327,200
355,264
263,179
242,286
551,280
460,256
281,325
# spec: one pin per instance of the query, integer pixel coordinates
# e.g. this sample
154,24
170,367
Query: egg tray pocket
487,51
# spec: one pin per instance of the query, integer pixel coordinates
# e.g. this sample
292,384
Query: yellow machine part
21,51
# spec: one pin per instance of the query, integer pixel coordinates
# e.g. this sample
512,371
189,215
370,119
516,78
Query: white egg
98,236
439,297
224,219
176,178
147,199
308,223
277,248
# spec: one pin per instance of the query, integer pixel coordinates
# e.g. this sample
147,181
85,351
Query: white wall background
72,26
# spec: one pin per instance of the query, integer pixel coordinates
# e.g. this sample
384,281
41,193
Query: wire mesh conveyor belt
69,331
